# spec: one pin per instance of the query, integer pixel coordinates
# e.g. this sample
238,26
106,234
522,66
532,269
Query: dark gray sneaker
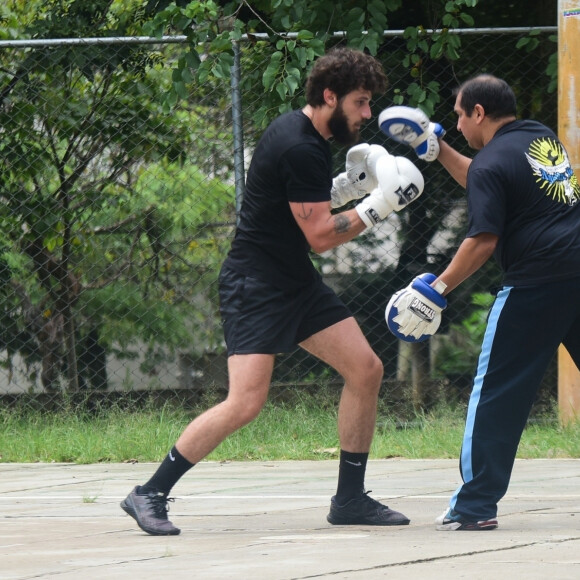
364,511
150,513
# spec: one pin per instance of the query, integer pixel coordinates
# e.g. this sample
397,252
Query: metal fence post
237,127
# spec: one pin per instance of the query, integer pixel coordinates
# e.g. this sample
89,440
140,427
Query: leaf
282,91
332,451
467,18
192,59
522,42
272,70
186,75
181,90
436,51
304,35
449,21
292,84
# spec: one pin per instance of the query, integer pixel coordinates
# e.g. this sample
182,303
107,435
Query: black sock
351,476
168,473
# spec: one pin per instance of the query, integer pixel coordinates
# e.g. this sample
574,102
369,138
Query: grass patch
111,436
301,429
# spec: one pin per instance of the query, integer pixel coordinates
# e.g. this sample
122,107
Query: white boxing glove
399,183
413,314
412,127
360,178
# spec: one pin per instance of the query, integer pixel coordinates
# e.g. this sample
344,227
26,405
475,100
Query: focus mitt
412,127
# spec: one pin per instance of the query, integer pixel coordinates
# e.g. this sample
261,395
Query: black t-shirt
521,187
292,162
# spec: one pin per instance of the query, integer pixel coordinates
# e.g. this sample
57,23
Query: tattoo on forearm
305,215
341,224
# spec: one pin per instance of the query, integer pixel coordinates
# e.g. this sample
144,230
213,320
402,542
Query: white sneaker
451,521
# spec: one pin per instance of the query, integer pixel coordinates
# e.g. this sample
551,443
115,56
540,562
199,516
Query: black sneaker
451,521
364,511
150,513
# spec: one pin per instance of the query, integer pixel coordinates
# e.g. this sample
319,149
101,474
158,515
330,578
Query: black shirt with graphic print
521,187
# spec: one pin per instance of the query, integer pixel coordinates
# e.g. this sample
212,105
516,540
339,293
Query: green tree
91,231
105,150
423,68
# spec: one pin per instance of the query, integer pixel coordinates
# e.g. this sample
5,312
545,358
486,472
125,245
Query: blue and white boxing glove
413,314
412,127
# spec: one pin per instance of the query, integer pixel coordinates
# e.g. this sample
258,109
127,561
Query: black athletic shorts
259,318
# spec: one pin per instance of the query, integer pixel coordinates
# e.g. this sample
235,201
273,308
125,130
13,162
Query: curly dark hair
343,70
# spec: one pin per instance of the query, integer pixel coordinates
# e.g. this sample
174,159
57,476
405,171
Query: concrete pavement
267,520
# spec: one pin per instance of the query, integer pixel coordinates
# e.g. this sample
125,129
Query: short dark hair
343,70
492,93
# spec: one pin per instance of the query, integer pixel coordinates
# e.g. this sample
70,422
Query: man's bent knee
245,411
368,374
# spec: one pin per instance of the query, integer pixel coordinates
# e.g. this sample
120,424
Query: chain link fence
117,212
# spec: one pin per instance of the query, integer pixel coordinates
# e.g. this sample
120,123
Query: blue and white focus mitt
412,127
413,314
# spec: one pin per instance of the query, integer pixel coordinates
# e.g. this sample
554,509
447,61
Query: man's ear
330,98
479,112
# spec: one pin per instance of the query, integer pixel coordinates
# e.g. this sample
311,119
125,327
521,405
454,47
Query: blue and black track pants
526,325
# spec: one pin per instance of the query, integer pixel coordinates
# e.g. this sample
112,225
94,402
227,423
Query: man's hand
399,183
360,177
413,314
412,127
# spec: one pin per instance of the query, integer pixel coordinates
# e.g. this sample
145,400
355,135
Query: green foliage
292,33
552,68
115,163
425,97
428,44
458,356
101,215
530,44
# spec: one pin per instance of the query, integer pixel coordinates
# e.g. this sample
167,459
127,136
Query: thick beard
338,125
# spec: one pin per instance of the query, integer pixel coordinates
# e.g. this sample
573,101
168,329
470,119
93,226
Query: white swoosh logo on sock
359,464
171,456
